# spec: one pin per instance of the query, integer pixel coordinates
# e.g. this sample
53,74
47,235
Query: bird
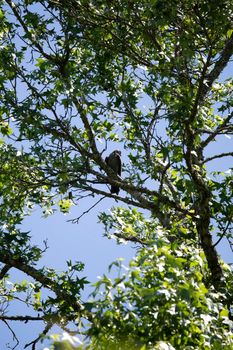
114,162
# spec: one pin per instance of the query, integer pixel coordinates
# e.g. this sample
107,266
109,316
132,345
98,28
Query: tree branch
221,155
221,63
34,342
216,131
4,271
21,318
133,239
76,220
13,334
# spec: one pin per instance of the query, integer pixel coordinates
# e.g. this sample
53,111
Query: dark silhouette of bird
114,162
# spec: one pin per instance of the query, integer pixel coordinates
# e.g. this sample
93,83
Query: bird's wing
119,165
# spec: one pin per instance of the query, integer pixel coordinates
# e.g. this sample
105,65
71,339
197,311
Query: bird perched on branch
114,162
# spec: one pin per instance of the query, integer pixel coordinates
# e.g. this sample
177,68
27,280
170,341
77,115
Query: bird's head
117,152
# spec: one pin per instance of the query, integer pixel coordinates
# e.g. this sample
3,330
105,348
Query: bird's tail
115,189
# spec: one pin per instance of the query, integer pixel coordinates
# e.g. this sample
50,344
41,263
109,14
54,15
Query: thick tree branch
87,126
201,87
194,161
209,79
193,157
203,215
4,271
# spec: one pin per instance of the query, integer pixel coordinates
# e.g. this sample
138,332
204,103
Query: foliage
79,79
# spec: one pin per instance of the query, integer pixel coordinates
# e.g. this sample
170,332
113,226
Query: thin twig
13,334
76,220
221,155
223,234
21,318
35,341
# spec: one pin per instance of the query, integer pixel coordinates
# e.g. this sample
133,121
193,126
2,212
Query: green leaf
229,33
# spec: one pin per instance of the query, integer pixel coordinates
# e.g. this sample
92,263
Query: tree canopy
81,78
